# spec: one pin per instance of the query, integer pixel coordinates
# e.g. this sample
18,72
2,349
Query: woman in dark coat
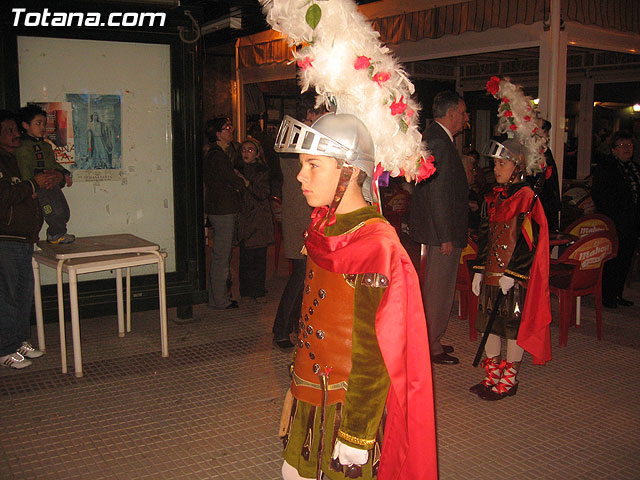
255,227
615,192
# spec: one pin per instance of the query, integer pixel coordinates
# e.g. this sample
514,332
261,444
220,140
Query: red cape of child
409,446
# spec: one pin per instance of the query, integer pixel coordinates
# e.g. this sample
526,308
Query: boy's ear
25,125
354,174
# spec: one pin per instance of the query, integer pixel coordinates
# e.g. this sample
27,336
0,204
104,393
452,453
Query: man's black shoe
447,348
609,303
233,304
444,359
624,302
284,344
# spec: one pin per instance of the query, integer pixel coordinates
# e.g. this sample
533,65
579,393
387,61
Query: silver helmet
339,135
511,149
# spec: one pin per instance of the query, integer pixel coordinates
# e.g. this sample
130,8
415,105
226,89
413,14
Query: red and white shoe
491,378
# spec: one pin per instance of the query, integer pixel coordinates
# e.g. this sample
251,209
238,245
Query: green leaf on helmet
314,12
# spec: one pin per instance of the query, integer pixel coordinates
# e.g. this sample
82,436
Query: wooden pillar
553,83
585,127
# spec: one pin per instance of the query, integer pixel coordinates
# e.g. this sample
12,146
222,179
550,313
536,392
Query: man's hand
506,283
68,180
347,455
476,282
446,248
46,180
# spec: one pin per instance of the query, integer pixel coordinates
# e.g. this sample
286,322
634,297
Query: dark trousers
616,270
253,270
438,291
288,313
56,211
16,295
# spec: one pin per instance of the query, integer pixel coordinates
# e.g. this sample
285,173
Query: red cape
409,447
534,334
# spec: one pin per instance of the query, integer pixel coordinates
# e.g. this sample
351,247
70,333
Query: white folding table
89,255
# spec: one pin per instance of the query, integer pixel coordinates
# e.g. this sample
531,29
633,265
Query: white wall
140,201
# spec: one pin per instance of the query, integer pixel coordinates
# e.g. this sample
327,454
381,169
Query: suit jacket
222,187
439,210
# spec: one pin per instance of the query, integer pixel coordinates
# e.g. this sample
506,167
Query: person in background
470,169
255,224
439,219
222,202
35,155
615,192
296,215
550,194
20,223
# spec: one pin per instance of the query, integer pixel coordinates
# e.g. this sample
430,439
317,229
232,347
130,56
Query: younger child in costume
363,346
513,257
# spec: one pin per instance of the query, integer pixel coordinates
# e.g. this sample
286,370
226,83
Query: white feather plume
518,117
343,59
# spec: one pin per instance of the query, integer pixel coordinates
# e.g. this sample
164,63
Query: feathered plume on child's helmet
340,55
519,118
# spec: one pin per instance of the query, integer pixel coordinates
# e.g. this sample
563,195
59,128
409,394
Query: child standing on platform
35,155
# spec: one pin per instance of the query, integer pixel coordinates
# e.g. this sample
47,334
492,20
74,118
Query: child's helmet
342,136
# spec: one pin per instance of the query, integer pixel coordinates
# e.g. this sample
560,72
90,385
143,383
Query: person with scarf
361,369
616,186
513,260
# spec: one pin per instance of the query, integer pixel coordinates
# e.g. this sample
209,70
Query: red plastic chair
468,302
578,272
590,224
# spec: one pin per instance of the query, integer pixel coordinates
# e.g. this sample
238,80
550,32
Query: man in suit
439,219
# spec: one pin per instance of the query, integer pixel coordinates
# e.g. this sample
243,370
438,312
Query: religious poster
59,131
97,127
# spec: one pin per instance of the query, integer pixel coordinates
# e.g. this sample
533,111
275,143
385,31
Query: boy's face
37,126
319,179
502,169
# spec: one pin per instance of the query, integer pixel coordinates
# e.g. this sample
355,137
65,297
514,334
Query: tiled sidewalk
211,409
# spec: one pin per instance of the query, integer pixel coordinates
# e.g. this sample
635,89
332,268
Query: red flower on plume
398,106
535,129
513,127
381,77
402,172
362,62
505,100
305,63
493,85
409,113
508,113
527,118
378,171
426,168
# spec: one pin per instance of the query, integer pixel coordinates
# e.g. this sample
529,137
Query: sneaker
66,238
28,350
14,360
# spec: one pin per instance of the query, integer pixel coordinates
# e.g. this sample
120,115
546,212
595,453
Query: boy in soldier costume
363,341
513,256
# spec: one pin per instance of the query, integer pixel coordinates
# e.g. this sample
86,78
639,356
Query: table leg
119,302
37,300
128,299
162,294
578,311
61,324
75,322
